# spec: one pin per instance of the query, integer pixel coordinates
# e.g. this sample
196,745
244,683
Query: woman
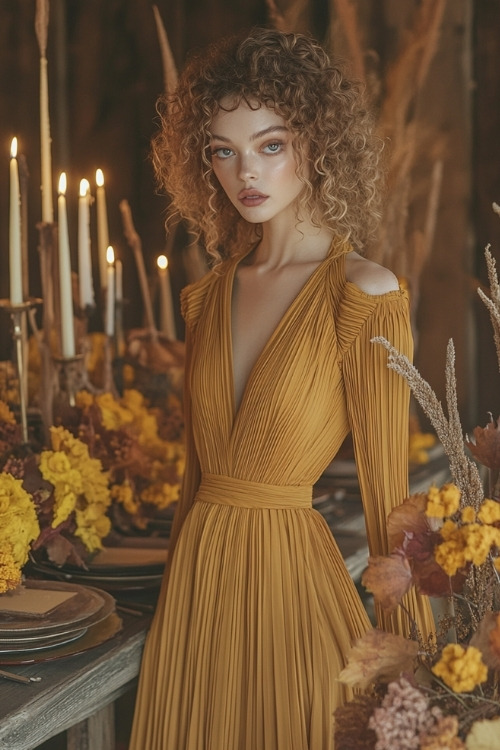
267,150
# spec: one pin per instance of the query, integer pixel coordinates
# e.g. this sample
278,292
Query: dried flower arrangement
57,500
116,464
445,693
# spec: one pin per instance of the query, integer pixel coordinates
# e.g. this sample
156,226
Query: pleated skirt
249,635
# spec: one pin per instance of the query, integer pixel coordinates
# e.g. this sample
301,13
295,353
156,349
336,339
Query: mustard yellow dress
259,612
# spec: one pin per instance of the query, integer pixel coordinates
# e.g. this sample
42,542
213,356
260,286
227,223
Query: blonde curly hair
325,111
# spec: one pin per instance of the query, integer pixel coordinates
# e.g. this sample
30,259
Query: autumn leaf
378,655
61,551
388,579
485,446
428,576
431,580
487,639
407,518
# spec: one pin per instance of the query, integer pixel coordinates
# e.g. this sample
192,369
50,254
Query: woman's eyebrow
255,136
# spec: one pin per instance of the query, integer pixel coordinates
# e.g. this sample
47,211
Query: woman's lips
251,197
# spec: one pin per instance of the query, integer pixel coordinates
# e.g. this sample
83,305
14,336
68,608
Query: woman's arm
378,409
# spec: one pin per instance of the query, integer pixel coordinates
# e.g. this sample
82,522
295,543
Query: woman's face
255,162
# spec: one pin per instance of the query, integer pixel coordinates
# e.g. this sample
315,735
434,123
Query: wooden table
76,694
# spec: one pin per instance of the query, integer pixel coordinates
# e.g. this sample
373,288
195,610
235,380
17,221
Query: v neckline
228,320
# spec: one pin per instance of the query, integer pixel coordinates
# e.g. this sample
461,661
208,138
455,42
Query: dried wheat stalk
493,303
135,243
346,13
287,20
276,17
169,67
463,470
404,81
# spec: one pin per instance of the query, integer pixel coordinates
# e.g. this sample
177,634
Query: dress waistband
215,488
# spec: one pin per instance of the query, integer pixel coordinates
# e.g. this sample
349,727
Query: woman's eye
222,153
273,148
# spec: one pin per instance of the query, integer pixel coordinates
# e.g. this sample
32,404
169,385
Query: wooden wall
105,75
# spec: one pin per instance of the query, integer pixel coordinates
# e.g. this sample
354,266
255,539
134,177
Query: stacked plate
48,620
114,569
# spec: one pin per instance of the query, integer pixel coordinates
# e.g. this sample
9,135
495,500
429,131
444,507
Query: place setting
45,620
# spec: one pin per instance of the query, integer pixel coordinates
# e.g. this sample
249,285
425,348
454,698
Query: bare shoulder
369,276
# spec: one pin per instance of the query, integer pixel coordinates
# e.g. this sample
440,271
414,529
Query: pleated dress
257,610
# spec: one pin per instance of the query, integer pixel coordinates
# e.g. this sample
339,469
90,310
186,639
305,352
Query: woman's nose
248,167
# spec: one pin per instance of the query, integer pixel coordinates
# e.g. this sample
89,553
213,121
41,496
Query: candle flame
162,262
84,188
62,184
110,255
99,178
13,148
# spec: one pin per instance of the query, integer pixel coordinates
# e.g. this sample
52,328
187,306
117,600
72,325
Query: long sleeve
378,410
191,478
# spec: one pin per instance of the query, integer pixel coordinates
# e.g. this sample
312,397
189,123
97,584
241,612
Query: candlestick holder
18,314
119,343
70,380
108,379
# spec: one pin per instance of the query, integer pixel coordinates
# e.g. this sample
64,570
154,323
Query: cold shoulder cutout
370,277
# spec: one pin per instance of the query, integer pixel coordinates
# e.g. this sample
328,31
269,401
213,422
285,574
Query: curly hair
332,132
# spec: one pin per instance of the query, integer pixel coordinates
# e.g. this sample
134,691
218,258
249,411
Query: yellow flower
65,503
161,494
489,512
5,414
92,528
80,487
479,541
18,527
419,445
444,502
470,543
448,530
450,556
468,514
84,399
128,374
113,414
123,494
54,466
10,572
461,669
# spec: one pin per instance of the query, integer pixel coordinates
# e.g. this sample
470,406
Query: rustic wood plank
95,733
71,690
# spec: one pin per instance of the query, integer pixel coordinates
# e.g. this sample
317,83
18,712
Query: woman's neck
281,245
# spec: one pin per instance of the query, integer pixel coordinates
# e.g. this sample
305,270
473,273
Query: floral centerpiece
142,449
441,694
116,464
19,525
56,500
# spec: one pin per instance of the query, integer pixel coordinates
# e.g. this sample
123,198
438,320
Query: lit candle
118,281
65,291
102,227
16,284
167,323
110,293
84,261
